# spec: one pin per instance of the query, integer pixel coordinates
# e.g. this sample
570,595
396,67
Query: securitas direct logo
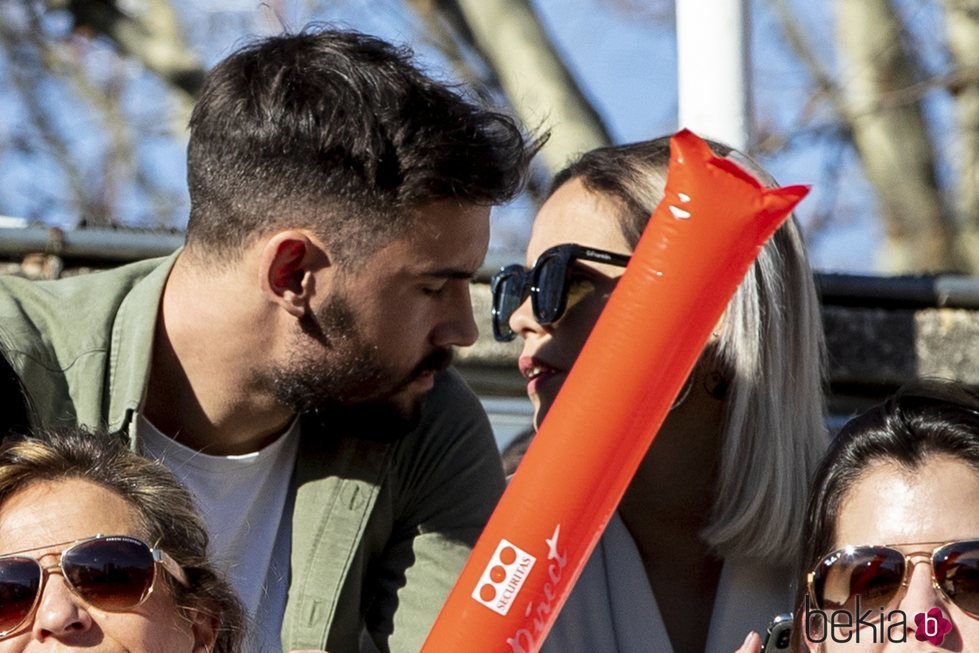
874,626
503,577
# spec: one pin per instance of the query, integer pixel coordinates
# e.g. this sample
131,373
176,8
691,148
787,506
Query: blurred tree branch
877,98
27,48
962,26
509,37
873,101
153,37
892,138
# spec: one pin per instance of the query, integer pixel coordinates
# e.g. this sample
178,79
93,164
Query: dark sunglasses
112,573
878,575
547,284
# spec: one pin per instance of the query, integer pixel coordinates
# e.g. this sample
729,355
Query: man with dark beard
290,363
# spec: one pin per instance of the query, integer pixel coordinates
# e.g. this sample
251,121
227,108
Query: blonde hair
771,345
163,507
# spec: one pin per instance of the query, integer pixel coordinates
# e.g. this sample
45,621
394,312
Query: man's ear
286,266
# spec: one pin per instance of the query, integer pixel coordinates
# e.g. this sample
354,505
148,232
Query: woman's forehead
574,214
52,511
888,503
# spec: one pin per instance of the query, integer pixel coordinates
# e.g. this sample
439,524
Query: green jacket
379,530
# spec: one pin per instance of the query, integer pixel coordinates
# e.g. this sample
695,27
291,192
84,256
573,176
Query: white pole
713,69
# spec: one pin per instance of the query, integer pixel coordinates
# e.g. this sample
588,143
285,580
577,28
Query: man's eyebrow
449,273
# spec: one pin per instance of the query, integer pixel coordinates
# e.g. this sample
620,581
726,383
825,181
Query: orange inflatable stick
699,243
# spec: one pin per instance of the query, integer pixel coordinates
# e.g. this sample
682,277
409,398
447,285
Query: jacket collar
131,348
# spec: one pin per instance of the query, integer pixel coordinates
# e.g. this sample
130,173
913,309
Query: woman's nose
60,614
523,321
921,594
918,605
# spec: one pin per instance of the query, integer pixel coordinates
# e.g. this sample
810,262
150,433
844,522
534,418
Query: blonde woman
703,541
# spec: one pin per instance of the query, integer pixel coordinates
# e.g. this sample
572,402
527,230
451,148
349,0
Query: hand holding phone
779,635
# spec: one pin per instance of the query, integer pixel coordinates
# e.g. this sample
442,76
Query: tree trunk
153,37
891,138
962,27
533,76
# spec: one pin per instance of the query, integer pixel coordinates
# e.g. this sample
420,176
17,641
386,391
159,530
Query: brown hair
164,509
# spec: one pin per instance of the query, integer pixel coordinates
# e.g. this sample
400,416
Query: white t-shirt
243,500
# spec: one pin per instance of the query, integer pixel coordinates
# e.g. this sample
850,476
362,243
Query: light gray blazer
612,608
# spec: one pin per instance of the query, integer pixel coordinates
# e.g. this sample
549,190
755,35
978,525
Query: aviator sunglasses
547,284
113,573
878,574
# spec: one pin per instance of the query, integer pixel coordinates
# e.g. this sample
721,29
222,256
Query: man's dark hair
339,132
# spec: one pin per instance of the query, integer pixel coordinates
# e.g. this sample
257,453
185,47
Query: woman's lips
537,372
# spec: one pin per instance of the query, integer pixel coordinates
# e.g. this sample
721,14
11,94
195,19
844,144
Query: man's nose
458,327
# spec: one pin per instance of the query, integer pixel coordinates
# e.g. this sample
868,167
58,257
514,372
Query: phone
779,634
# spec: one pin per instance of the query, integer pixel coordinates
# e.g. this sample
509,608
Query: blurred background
873,102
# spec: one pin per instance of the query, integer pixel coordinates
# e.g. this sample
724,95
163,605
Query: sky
623,53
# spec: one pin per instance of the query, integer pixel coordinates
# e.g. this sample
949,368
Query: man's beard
333,373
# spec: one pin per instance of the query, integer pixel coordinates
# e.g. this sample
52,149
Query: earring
717,385
684,393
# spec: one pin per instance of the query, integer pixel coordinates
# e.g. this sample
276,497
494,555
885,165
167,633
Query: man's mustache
436,361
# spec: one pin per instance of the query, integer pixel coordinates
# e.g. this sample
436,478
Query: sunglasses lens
874,574
508,293
20,580
957,573
548,297
112,573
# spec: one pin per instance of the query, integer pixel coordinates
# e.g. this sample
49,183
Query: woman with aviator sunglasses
700,547
101,548
893,526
